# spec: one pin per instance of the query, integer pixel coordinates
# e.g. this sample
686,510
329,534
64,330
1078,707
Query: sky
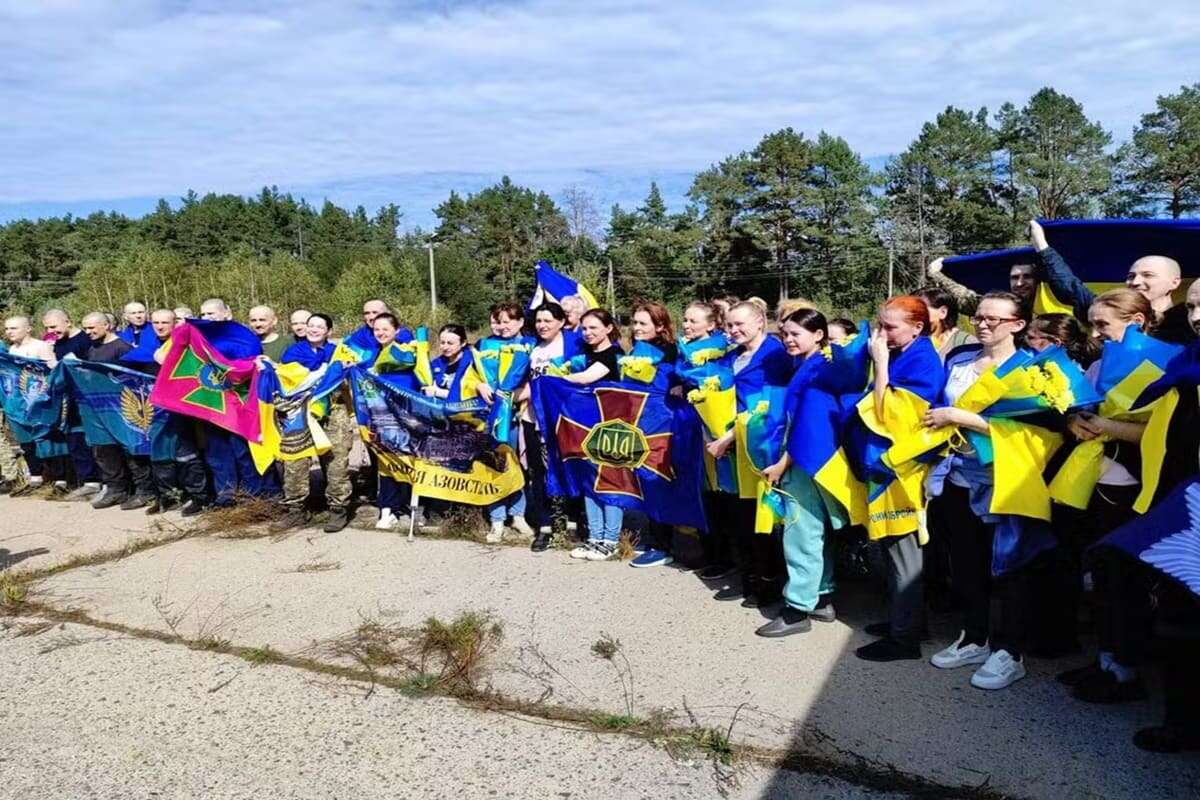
113,104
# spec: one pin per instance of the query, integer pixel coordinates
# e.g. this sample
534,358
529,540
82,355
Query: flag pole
413,510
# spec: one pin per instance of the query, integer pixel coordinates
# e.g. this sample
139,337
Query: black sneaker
714,572
110,499
888,650
292,518
338,519
541,543
728,594
162,504
790,621
1105,689
191,508
1076,676
884,631
751,601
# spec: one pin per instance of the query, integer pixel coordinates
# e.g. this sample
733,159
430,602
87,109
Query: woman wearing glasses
991,553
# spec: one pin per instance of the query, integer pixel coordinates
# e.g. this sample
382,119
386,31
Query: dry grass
14,592
625,547
315,565
247,518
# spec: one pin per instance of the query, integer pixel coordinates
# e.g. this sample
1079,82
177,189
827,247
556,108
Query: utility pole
612,302
300,235
432,280
891,265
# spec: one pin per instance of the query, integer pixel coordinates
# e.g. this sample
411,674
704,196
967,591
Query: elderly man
119,472
134,315
298,322
71,341
227,454
1154,277
262,321
574,307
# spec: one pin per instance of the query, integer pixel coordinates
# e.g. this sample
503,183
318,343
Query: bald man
1154,277
134,315
18,332
82,473
298,322
14,472
215,309
262,321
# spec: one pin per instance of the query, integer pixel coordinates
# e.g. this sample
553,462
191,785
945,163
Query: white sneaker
583,551
387,520
35,480
545,530
572,525
961,655
999,672
60,485
603,551
496,534
522,527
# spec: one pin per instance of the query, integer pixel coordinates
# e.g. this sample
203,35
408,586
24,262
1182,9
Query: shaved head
261,320
214,308
1155,277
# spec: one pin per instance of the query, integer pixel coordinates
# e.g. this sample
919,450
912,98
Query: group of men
210,466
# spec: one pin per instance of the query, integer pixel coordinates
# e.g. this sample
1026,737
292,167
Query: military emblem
136,410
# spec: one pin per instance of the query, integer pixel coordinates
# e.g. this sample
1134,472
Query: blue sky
113,104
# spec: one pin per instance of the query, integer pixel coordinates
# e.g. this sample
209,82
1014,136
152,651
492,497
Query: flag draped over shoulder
32,393
442,448
115,408
1167,537
290,399
1127,367
623,444
503,364
197,380
553,286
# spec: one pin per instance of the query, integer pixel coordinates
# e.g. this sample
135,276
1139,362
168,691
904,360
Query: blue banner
1167,537
114,404
623,444
32,393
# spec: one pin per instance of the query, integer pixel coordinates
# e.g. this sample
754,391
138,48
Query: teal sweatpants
807,551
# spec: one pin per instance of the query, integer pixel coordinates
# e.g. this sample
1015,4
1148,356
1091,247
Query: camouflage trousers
339,426
12,460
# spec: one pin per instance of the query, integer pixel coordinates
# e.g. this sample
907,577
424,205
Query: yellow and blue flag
553,286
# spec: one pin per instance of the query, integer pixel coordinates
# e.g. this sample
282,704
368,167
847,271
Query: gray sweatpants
903,567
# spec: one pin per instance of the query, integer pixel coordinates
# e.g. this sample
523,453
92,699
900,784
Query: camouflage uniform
340,427
12,460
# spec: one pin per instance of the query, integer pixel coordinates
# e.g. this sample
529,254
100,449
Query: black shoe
162,504
541,543
751,601
881,629
136,502
889,650
824,612
728,594
5,487
191,508
338,519
1105,689
110,499
1166,739
714,572
1078,675
790,621
293,518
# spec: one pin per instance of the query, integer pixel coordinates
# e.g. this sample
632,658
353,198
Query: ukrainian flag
553,286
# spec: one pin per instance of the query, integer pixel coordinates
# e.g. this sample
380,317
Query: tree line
795,215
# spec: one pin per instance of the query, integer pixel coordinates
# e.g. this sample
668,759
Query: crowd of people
1019,585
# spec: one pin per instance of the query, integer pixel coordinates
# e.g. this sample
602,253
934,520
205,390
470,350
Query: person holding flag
316,353
134,315
502,361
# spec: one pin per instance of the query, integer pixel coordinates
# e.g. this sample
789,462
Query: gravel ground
808,691
101,716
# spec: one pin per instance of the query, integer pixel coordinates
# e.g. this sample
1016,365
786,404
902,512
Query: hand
718,448
429,391
935,266
878,346
676,391
485,392
1037,236
773,473
1084,426
940,417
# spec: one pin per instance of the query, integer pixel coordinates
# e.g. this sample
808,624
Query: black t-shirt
608,357
77,345
669,350
108,352
1173,326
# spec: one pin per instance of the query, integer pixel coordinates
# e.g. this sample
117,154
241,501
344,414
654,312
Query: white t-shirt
742,361
961,377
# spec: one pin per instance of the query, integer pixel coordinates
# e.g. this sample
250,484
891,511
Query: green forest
795,215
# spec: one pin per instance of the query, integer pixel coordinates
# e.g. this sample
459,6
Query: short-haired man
262,321
134,314
298,322
1154,277
1193,306
1023,281
215,309
182,315
20,341
84,480
119,472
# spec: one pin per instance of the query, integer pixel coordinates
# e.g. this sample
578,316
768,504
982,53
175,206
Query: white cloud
144,98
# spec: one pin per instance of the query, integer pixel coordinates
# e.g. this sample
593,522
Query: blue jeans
511,506
807,550
604,521
228,458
